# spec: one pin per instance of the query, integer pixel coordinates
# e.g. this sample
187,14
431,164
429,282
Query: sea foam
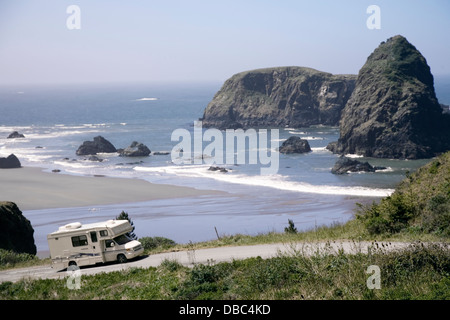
276,181
147,99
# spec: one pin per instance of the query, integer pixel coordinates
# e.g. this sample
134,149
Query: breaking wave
147,99
277,181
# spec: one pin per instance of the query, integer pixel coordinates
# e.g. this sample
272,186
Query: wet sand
183,214
33,189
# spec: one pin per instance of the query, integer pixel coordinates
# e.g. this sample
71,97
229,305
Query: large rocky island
393,111
389,110
283,96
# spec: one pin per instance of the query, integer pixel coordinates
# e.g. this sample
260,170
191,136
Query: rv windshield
120,240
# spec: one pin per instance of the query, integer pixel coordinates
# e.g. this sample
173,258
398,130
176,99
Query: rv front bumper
134,251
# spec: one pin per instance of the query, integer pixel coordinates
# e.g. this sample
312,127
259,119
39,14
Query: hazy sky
206,40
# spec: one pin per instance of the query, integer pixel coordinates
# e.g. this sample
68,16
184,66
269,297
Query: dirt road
203,256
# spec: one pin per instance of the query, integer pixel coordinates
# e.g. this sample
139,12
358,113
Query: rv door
96,249
109,253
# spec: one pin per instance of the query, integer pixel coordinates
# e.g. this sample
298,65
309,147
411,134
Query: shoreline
181,213
31,188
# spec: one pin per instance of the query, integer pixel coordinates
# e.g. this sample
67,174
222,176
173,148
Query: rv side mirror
109,244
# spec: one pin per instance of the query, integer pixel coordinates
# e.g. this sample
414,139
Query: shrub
151,243
171,265
391,215
437,217
8,257
291,228
421,202
205,282
434,167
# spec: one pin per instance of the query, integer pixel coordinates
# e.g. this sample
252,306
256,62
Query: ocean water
57,119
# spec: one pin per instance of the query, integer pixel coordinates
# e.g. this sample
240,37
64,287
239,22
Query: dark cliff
283,96
393,111
16,232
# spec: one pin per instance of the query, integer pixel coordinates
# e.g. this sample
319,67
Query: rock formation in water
99,145
393,111
283,96
215,168
15,135
345,165
16,232
136,149
295,145
10,162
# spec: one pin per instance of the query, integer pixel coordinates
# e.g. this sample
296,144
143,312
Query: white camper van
80,245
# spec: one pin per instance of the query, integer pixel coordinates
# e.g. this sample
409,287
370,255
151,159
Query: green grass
10,259
420,204
417,212
352,230
418,272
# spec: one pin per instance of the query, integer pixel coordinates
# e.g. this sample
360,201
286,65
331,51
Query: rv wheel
72,263
121,258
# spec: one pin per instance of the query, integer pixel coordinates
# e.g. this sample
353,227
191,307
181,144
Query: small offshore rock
95,158
134,163
345,165
215,168
160,153
99,145
136,149
295,145
15,135
10,162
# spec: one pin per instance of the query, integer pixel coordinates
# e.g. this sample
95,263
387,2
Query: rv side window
93,236
79,241
103,233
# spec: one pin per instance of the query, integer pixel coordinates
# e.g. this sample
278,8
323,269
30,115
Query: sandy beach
183,214
33,189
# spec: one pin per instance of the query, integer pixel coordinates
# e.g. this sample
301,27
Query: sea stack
15,135
295,145
10,162
279,97
98,145
136,149
393,111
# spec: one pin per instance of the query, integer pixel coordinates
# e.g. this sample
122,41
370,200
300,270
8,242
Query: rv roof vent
110,221
75,225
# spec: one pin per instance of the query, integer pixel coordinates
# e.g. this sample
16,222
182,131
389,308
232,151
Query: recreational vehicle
86,244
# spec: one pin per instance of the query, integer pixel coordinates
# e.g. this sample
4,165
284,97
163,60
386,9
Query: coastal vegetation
9,258
420,204
417,212
418,272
